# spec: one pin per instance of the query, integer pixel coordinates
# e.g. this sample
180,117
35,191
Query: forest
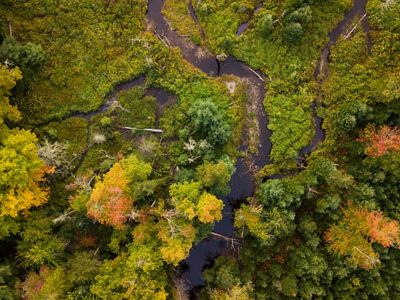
199,149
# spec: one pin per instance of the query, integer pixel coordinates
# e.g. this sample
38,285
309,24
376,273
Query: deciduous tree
354,235
113,196
381,141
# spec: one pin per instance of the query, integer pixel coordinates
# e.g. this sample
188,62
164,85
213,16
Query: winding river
242,183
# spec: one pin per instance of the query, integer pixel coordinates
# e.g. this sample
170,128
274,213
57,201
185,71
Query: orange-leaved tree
112,198
354,235
381,141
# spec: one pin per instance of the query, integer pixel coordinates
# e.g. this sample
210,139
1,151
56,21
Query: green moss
220,21
137,110
362,87
88,49
289,68
72,132
177,14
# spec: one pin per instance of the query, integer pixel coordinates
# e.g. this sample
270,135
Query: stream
321,68
242,181
242,184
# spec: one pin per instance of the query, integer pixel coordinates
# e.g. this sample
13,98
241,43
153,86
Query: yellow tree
209,208
21,170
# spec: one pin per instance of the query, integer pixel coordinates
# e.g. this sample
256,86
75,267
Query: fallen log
143,129
346,36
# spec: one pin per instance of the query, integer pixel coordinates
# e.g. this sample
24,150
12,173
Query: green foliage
137,274
87,49
137,110
223,281
112,197
166,201
72,281
215,177
220,21
6,289
224,274
28,57
9,78
189,201
289,65
176,12
39,246
293,32
265,24
209,122
21,169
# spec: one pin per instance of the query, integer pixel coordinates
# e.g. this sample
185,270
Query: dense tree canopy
235,149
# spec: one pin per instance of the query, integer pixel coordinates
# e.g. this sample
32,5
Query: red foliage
109,202
380,142
382,230
354,234
88,241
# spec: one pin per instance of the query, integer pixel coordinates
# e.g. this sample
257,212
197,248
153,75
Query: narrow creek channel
242,184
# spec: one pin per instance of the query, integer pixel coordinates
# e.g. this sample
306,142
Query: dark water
242,183
358,9
243,27
161,96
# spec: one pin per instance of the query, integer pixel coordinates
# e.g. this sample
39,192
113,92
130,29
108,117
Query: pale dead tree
169,216
280,17
373,260
219,236
146,146
346,36
8,63
53,154
163,38
134,215
192,159
82,183
153,130
115,104
310,189
191,145
221,56
180,288
10,28
99,138
255,73
64,216
105,154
